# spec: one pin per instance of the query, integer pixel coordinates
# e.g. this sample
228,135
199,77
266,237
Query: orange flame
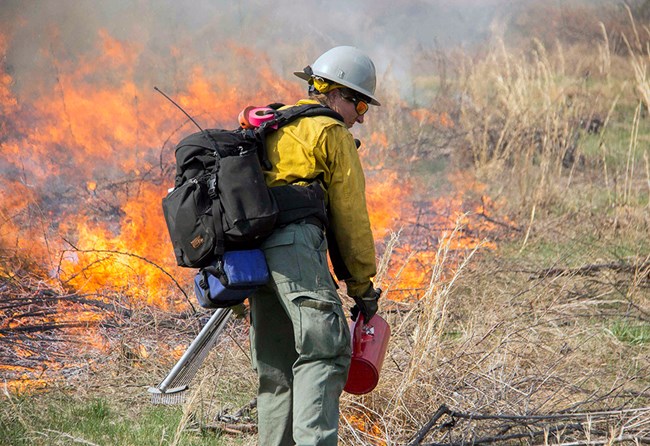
363,422
393,208
86,163
429,117
106,136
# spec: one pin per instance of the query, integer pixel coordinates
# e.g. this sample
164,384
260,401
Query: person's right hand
366,304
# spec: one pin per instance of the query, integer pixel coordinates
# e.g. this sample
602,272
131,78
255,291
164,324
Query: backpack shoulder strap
286,116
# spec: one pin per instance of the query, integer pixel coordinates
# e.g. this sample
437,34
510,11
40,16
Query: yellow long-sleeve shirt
322,147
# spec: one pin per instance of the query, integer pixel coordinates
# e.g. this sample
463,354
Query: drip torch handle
357,335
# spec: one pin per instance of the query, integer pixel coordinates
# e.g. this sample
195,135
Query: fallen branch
498,439
507,226
586,270
419,436
242,414
44,299
234,429
44,327
552,416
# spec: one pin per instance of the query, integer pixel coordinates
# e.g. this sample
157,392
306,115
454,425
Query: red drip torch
369,345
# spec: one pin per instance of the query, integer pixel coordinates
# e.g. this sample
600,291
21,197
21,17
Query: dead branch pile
594,428
46,331
38,324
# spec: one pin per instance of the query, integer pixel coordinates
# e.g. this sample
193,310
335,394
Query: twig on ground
235,429
621,266
139,257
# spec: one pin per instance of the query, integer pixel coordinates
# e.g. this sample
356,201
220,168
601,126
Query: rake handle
212,328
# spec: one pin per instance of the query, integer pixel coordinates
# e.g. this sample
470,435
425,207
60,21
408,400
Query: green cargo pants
300,342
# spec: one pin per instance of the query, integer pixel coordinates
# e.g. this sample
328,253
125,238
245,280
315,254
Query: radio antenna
179,107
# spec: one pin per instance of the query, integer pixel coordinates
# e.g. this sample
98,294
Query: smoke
292,34
173,35
57,55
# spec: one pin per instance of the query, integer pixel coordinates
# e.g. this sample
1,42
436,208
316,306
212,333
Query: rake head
173,389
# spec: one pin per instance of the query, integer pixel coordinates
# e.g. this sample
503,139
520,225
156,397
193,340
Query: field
511,205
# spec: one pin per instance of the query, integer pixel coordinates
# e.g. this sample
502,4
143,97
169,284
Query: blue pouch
230,280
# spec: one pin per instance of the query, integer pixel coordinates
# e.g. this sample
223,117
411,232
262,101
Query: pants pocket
324,332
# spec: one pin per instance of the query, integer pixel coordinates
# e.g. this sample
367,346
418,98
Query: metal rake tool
173,389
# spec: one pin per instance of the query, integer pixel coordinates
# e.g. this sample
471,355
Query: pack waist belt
312,220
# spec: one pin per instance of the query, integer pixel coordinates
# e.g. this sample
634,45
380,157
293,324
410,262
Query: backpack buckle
212,186
220,272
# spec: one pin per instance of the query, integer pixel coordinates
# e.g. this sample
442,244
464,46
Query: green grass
630,333
56,418
616,140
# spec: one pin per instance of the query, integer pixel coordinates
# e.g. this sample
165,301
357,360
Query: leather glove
366,304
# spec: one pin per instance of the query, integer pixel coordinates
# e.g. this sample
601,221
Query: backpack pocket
188,216
249,210
230,280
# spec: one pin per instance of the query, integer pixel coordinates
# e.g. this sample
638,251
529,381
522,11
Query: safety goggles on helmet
360,105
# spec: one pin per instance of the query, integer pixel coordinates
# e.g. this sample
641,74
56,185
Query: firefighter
300,341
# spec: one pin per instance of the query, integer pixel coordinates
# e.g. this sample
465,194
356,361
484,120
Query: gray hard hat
348,66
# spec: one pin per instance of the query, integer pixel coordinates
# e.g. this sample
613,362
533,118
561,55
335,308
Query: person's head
344,79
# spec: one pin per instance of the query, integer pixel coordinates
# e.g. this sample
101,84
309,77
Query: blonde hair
322,98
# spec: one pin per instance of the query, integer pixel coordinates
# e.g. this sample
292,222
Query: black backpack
220,200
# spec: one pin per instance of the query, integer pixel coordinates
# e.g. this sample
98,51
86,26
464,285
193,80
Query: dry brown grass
496,339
